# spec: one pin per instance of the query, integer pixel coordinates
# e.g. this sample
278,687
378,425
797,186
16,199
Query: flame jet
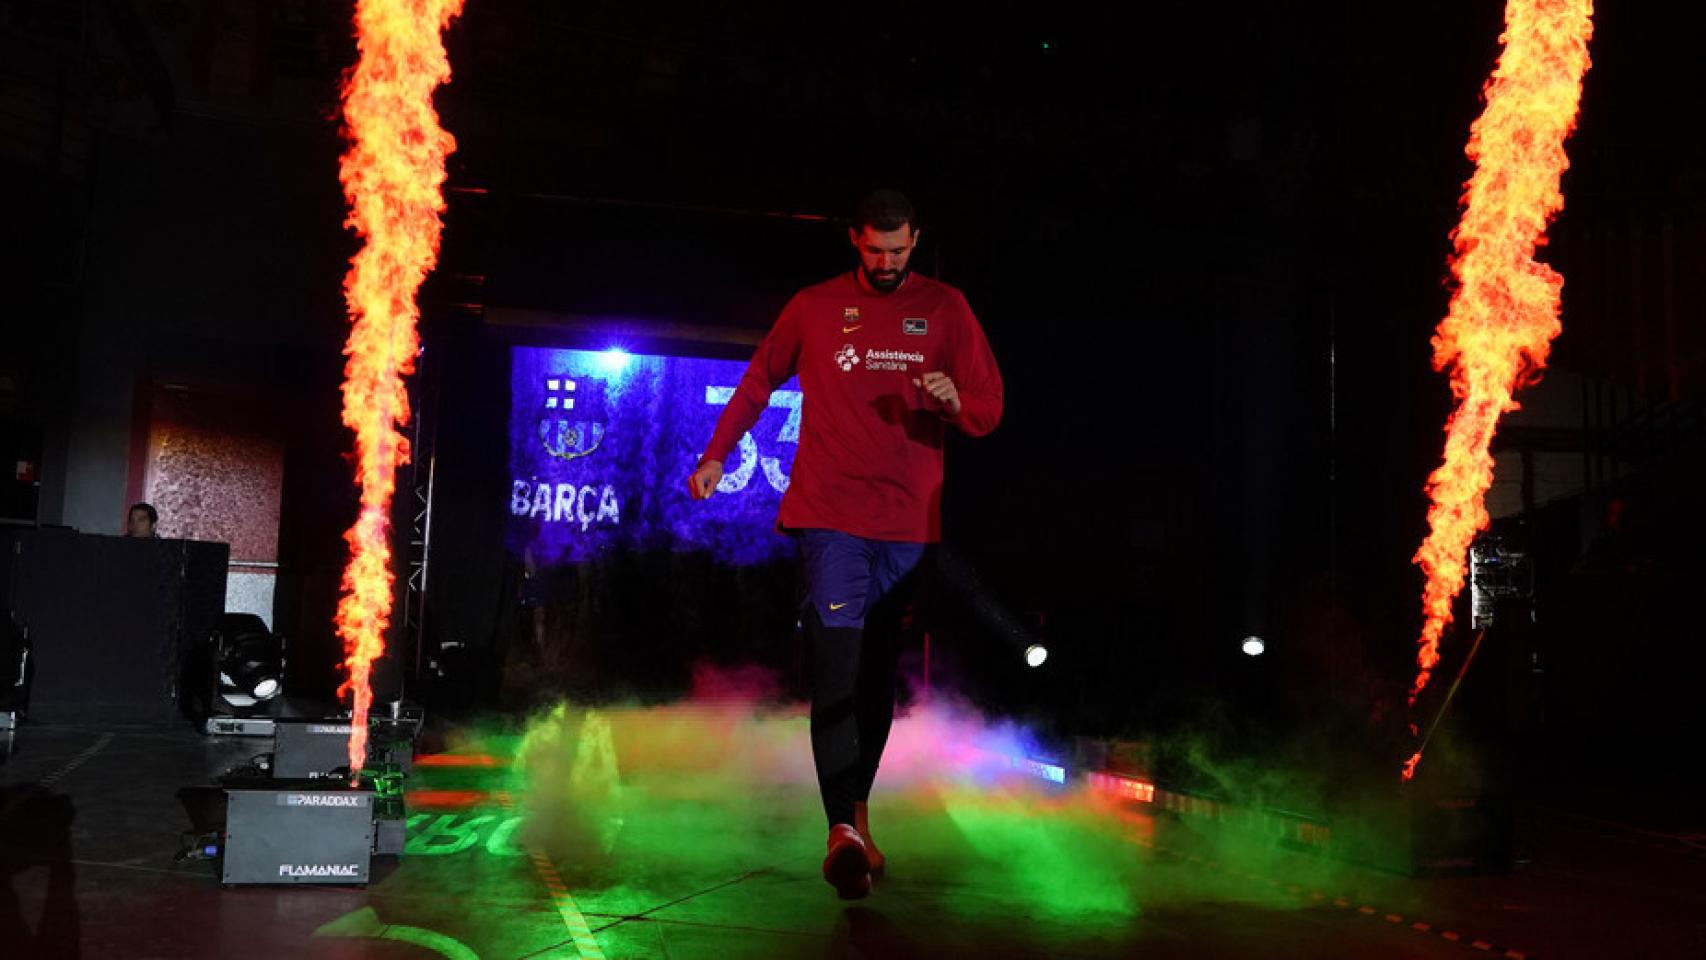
1504,309
392,176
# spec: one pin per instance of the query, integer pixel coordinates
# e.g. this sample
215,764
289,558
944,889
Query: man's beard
884,285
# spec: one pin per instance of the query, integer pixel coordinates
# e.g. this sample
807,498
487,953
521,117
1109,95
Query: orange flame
1504,310
392,175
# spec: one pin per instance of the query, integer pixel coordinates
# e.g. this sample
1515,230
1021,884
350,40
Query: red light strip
445,799
459,760
1128,788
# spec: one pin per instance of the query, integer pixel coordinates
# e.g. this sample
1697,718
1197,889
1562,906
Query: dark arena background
1155,697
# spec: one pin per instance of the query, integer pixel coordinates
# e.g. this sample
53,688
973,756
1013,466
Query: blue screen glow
601,443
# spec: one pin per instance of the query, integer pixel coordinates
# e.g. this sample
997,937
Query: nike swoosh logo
852,328
837,606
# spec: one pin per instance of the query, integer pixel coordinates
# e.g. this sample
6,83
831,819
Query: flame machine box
304,831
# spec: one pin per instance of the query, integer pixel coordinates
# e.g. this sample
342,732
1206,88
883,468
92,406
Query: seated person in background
141,521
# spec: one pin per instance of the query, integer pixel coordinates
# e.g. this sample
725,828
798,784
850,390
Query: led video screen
601,444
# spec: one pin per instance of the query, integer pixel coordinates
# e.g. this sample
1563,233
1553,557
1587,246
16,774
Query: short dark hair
885,210
148,508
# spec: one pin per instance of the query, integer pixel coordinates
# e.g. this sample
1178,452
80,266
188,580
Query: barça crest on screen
567,439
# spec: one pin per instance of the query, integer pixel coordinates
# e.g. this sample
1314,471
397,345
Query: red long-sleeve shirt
870,456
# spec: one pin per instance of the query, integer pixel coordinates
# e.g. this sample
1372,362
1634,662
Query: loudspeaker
109,618
302,832
1461,834
1464,803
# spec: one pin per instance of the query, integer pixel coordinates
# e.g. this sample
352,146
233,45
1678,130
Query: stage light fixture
1254,646
1026,640
248,661
249,675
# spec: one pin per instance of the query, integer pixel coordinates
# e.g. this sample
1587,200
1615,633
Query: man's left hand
940,387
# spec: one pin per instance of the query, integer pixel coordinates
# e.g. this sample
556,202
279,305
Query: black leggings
853,693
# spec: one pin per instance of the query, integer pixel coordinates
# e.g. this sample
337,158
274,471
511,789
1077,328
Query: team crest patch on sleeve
916,326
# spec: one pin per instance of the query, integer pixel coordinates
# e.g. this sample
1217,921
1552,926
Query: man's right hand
704,480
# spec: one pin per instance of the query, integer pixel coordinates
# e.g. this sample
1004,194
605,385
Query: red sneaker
848,866
862,823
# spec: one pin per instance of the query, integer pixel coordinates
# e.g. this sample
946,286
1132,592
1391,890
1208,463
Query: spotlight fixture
248,661
1253,646
1027,639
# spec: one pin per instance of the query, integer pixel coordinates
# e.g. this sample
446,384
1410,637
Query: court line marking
76,761
586,945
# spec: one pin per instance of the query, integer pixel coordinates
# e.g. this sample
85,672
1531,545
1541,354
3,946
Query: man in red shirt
887,361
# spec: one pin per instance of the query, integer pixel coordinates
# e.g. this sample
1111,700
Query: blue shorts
847,575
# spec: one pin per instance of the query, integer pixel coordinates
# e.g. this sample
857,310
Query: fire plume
392,175
1504,308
